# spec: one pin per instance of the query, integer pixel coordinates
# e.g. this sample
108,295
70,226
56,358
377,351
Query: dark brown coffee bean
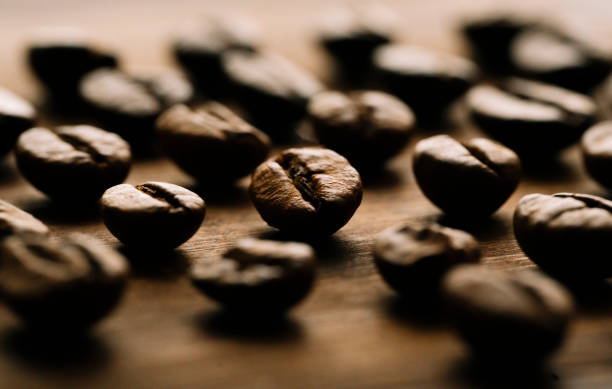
306,191
211,143
73,163
129,105
16,116
597,152
567,234
367,127
519,317
16,221
153,215
350,34
425,80
260,276
533,119
63,285
471,179
273,90
413,257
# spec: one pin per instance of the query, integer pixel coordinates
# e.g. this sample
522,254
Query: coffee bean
16,221
535,120
413,257
16,116
63,285
471,179
260,276
597,152
567,234
306,191
211,143
425,80
367,127
350,34
153,215
273,90
60,57
129,104
519,317
72,163
199,49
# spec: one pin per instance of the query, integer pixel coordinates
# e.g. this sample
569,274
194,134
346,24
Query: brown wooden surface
351,332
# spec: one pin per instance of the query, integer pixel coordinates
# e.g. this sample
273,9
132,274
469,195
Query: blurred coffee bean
259,276
16,116
425,80
516,317
468,179
199,49
597,152
16,221
534,119
413,257
367,127
350,34
273,90
153,215
306,191
72,163
211,142
59,57
129,105
567,234
60,285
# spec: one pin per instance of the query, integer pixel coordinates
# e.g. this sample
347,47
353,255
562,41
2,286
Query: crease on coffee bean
301,177
588,201
481,157
80,145
160,194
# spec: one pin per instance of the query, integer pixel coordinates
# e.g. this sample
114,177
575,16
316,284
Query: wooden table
352,331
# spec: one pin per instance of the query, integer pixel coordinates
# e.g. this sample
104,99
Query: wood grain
351,332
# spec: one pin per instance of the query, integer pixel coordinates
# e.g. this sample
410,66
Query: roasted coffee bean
60,57
350,34
16,221
567,234
519,317
367,127
261,276
413,257
199,49
306,191
16,116
425,80
211,143
273,90
535,120
60,286
471,179
597,152
153,215
72,163
129,104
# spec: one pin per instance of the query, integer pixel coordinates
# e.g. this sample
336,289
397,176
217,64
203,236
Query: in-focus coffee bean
597,152
534,119
211,142
16,116
426,80
153,215
15,221
518,317
413,257
366,127
60,286
273,90
306,191
72,163
567,234
470,179
260,276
